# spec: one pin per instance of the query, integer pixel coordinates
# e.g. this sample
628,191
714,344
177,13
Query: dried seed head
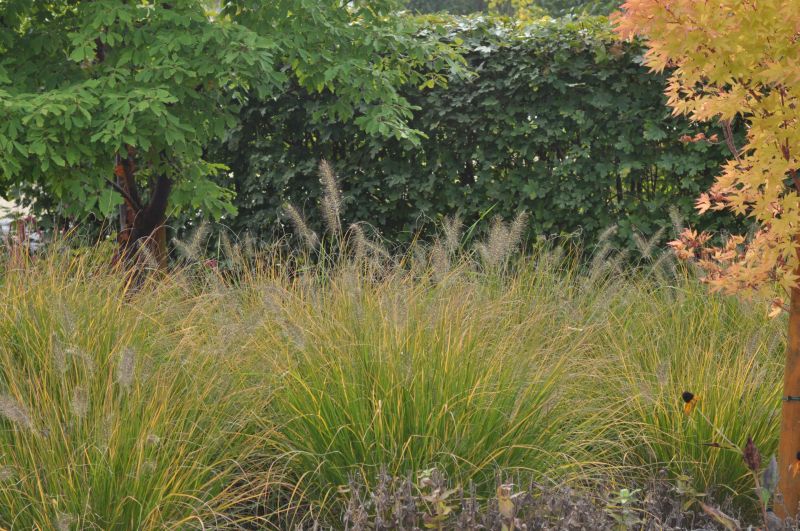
502,240
68,318
7,473
360,241
64,522
495,249
193,248
440,261
79,402
230,250
146,259
148,467
78,354
452,227
676,218
606,234
517,230
15,412
331,198
645,246
106,432
273,300
294,334
153,440
300,226
250,246
646,392
662,373
126,367
751,456
59,354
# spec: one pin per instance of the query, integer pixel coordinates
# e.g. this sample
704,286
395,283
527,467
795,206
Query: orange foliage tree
740,60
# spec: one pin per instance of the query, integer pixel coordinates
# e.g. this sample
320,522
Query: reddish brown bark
141,224
124,170
158,245
789,445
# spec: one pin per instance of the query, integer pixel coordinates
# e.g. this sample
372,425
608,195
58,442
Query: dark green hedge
559,119
555,8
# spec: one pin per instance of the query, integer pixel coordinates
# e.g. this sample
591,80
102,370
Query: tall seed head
360,241
230,250
502,240
440,260
645,246
331,198
677,220
7,473
517,230
453,228
14,411
146,259
59,354
301,228
193,248
79,402
126,367
64,522
77,354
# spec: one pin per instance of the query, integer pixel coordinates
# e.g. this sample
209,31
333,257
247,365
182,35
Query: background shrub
559,119
555,8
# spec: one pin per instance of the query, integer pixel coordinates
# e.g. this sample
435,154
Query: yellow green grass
210,399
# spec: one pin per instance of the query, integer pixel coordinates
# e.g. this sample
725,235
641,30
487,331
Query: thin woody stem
727,132
124,193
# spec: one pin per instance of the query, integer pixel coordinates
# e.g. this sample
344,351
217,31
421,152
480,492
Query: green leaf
107,201
81,53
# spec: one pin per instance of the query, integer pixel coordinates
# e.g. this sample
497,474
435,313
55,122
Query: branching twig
131,200
728,134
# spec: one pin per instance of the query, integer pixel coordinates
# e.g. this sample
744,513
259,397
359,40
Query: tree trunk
155,241
141,224
124,170
789,445
158,244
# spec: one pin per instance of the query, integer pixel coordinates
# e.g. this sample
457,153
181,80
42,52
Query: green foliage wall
559,8
456,7
555,8
559,119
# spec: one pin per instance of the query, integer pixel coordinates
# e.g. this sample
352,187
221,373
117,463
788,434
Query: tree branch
131,201
728,134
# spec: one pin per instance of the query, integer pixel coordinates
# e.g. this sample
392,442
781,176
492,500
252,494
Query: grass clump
661,340
112,415
404,374
259,387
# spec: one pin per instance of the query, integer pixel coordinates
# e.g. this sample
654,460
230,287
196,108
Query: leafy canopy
83,81
559,119
736,60
518,8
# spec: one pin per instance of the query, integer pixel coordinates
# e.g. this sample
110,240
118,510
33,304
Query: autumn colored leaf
735,61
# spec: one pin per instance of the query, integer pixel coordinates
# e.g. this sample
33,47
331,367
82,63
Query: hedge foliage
554,8
456,7
559,119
